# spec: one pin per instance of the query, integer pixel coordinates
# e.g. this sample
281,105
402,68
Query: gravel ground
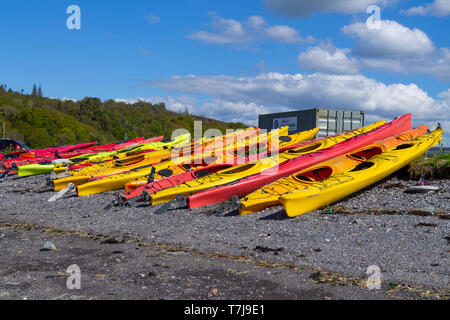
320,255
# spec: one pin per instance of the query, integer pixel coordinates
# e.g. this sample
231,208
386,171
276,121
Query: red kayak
109,147
197,146
35,156
42,152
103,148
251,183
8,164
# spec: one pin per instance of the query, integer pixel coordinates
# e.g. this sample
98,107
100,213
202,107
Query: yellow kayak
102,157
235,141
111,167
204,144
123,163
268,195
230,175
319,194
284,140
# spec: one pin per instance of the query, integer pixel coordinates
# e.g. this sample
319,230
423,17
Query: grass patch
439,159
433,167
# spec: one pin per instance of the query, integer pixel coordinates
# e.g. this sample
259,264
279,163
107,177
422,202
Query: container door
328,122
353,120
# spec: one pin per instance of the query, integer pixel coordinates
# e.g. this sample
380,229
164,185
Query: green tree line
42,122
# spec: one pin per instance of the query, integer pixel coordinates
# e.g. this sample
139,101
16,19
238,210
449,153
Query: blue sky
234,59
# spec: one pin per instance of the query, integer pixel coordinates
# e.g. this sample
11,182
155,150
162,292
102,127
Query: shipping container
330,121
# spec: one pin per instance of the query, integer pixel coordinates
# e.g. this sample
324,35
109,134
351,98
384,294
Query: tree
34,90
39,92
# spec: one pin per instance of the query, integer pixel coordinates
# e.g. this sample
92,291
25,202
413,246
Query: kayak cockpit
318,174
306,149
365,154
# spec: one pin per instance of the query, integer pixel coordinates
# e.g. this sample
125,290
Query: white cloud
254,29
258,67
445,95
285,34
301,8
177,104
136,100
181,103
328,59
276,91
233,111
396,48
440,8
436,64
256,22
65,99
391,40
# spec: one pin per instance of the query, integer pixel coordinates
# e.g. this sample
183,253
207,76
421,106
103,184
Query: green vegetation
42,122
442,159
433,167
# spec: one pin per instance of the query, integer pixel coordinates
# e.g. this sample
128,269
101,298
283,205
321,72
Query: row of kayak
24,159
253,169
162,164
99,161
